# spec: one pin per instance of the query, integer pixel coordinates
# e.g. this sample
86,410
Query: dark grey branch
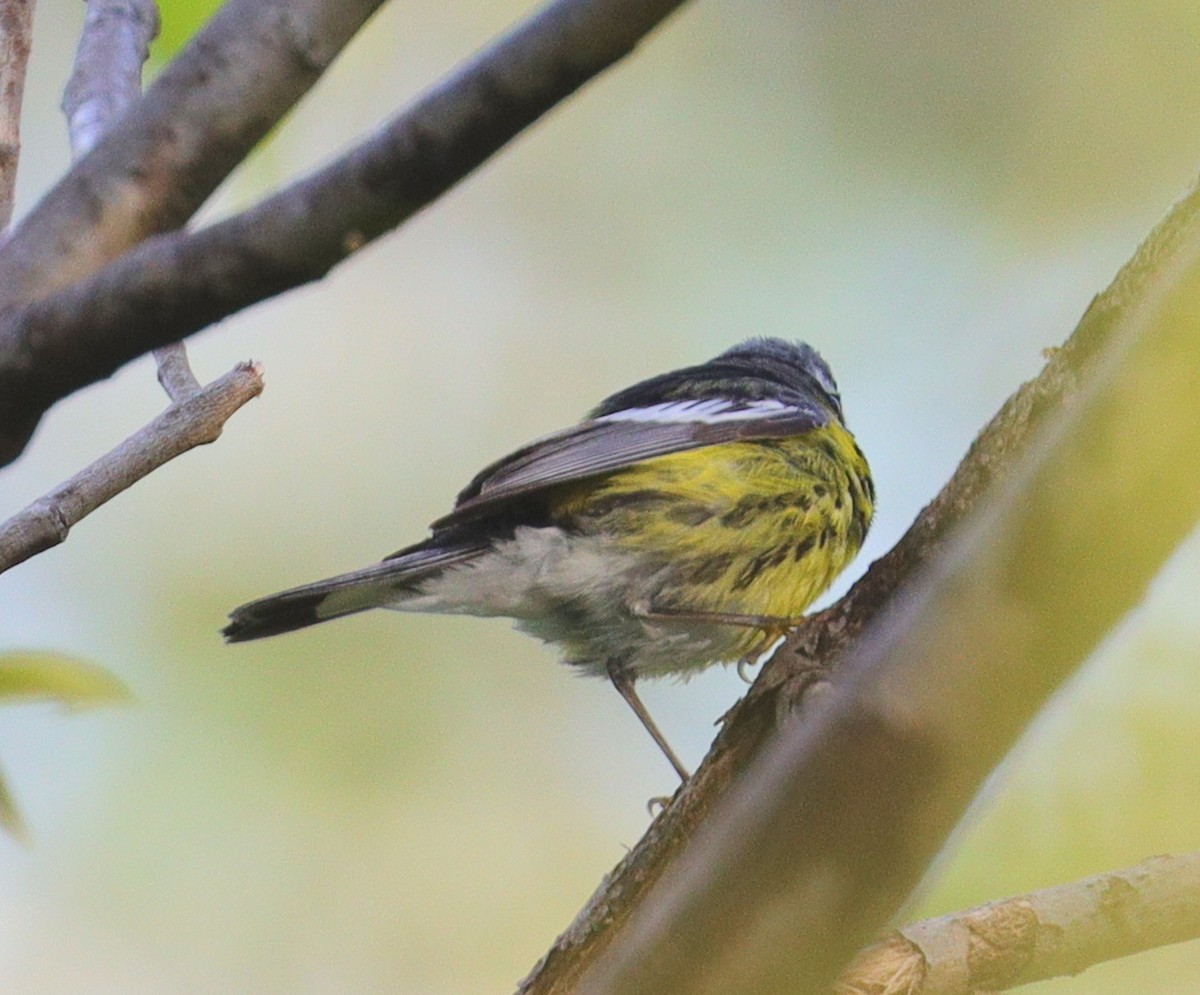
159,162
174,285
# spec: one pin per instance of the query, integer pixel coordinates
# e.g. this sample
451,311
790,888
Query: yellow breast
753,528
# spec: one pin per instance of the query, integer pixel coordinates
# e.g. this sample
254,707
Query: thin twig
107,77
195,421
16,30
175,372
1046,934
176,284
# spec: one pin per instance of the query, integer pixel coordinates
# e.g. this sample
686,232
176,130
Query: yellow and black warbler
687,520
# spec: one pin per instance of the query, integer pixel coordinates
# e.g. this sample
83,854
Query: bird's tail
384,583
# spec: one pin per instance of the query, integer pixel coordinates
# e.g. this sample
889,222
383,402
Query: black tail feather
271,616
373,586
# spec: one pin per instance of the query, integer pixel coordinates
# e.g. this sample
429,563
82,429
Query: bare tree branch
177,284
194,421
16,31
107,77
824,642
157,164
175,372
1045,934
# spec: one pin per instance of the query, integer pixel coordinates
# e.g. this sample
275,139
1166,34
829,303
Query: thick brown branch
157,164
174,285
107,77
16,30
1045,934
818,647
195,421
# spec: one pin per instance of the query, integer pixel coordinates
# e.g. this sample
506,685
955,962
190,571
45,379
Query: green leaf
71,683
180,19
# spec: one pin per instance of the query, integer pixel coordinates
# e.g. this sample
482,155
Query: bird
685,521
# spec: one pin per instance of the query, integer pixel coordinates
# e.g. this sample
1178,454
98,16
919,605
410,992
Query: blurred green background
930,192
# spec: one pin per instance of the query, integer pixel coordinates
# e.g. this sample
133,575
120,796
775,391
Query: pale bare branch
1046,934
16,31
175,372
107,77
194,421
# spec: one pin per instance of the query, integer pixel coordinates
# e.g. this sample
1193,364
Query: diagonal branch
833,825
1045,934
194,421
16,31
156,165
874,801
174,285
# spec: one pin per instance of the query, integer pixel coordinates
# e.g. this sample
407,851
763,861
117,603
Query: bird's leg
772,626
623,680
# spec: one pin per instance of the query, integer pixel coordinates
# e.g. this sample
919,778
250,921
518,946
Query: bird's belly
581,593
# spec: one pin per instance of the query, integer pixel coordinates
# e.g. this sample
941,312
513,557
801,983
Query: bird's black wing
623,438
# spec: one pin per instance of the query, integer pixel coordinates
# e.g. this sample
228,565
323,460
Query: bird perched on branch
687,520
